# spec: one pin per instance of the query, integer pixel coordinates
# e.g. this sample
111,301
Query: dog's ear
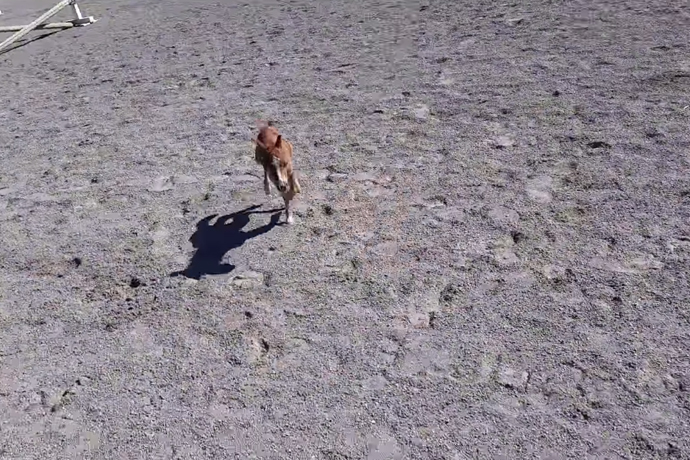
279,140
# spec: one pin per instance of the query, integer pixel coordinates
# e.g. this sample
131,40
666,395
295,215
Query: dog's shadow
212,242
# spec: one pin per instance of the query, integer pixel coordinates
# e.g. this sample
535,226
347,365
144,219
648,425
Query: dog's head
279,167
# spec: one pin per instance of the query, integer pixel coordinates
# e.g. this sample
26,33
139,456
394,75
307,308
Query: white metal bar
28,28
77,11
50,25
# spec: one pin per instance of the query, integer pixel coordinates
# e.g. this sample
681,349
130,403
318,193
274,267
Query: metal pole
28,28
50,25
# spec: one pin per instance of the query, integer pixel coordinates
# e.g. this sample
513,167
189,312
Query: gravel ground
490,255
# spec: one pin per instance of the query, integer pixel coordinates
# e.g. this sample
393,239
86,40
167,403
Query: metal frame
40,22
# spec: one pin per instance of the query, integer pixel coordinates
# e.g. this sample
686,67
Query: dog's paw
290,220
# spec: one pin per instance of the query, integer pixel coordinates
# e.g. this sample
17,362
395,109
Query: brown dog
275,155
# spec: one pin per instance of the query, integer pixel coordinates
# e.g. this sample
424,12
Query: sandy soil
490,255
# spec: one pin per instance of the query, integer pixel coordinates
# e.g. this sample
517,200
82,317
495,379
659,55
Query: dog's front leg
267,187
288,212
294,184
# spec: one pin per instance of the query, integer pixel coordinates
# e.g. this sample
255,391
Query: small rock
418,319
160,235
503,215
553,272
510,378
539,189
388,249
374,383
519,279
505,257
377,191
336,177
421,112
383,448
646,263
248,279
540,196
610,266
503,142
514,21
451,214
161,184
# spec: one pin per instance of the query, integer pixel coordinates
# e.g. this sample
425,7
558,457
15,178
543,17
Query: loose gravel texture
490,257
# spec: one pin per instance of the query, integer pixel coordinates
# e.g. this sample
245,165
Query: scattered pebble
503,215
248,279
505,257
503,142
336,177
610,266
161,184
539,189
389,249
451,214
646,263
418,319
421,112
384,448
375,383
510,378
553,272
